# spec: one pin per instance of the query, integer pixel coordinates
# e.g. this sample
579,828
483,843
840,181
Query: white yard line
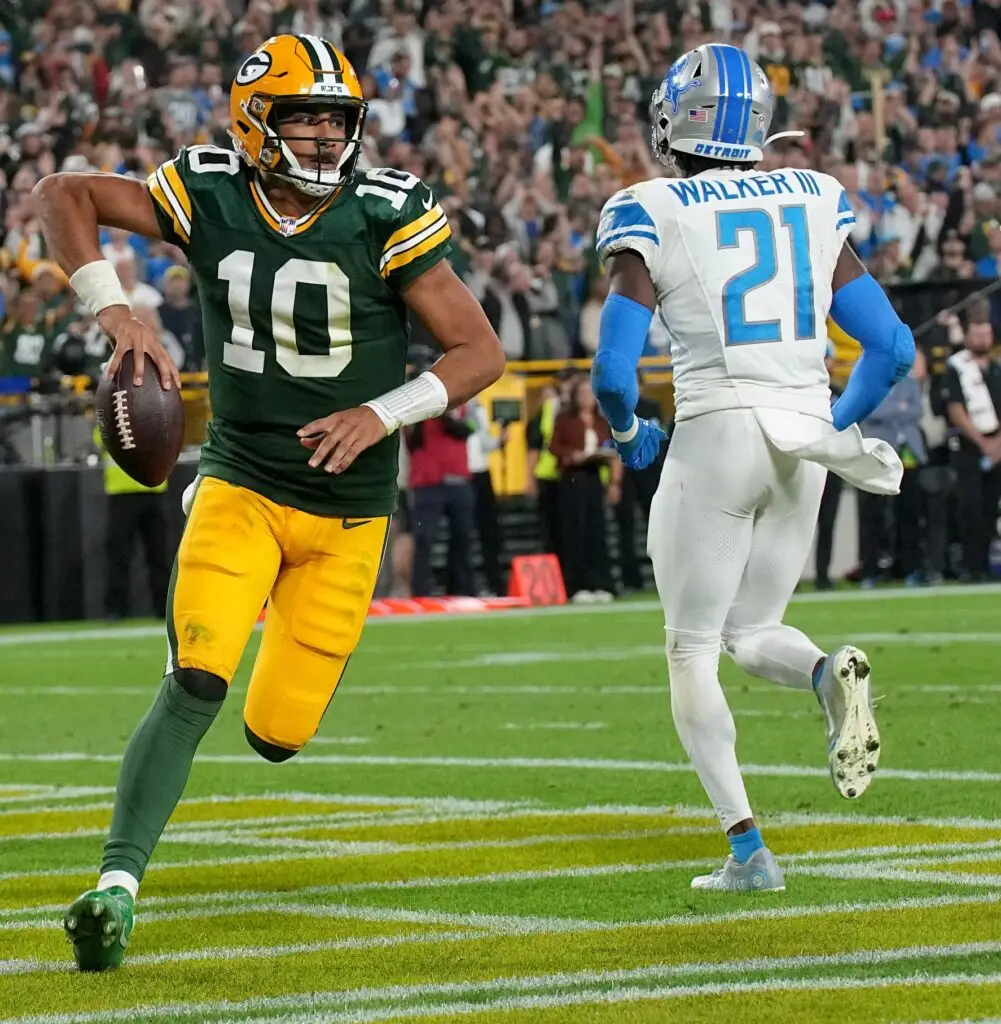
874,860
883,863
448,808
554,726
396,994
524,927
615,996
548,764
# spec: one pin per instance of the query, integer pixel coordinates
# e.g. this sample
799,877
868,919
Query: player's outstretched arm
862,310
71,208
473,359
622,332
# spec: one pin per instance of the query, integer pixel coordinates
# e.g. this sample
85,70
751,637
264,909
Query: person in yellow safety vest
543,469
132,510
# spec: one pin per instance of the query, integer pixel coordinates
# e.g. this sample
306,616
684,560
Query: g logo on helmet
257,65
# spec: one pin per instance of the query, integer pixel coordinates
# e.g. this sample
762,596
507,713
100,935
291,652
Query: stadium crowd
525,116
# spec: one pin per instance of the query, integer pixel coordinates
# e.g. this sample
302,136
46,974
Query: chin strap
783,135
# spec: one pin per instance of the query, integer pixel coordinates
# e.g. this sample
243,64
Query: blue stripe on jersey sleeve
843,205
625,219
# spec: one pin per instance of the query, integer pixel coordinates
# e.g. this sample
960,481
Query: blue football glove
643,449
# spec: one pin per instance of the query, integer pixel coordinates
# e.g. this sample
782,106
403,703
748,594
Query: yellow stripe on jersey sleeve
177,187
169,193
417,248
415,227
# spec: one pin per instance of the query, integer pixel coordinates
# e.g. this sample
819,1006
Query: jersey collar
286,226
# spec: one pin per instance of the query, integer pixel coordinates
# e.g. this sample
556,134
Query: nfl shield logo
287,226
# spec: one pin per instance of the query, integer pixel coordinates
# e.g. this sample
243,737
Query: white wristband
420,399
98,286
627,435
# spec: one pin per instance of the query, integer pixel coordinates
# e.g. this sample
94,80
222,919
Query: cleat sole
854,753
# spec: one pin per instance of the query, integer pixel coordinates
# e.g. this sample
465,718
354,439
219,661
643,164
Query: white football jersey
742,263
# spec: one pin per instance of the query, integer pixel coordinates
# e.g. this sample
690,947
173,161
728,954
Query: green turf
496,824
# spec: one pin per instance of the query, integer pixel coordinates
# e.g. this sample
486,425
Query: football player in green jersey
306,269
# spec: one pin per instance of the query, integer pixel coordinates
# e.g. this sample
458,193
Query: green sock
153,775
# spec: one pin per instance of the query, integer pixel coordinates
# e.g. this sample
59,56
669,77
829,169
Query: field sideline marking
571,763
396,994
43,636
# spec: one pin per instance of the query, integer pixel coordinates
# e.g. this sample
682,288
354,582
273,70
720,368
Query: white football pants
731,527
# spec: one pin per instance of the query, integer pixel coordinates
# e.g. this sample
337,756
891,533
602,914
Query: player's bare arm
628,276
473,359
72,208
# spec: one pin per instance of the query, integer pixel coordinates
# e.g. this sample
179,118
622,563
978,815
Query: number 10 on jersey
730,224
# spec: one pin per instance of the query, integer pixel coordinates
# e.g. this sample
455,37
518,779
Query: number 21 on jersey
760,224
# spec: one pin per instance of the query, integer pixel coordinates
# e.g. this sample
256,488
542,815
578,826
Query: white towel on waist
866,463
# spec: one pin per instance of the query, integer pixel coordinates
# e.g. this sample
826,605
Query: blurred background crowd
525,116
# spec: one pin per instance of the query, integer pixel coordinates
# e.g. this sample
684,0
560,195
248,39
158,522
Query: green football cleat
99,924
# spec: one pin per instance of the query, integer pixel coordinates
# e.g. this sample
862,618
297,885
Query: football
142,427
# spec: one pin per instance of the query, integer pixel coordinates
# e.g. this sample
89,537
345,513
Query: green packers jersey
26,350
301,318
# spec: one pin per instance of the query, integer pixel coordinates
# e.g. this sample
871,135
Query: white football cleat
760,873
852,736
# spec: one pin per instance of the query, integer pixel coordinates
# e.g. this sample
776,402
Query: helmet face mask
714,103
312,162
297,113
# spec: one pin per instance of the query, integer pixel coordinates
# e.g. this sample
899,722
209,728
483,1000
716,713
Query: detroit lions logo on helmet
673,89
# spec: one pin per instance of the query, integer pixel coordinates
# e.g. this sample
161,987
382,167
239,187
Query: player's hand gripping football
644,448
340,438
130,335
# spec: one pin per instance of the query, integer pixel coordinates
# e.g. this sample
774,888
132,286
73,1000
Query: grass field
497,824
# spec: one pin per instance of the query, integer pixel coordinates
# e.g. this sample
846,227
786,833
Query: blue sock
745,844
818,671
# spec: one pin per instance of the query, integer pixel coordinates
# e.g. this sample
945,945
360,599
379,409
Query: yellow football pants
317,574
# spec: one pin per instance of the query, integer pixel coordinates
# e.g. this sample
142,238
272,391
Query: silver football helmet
714,102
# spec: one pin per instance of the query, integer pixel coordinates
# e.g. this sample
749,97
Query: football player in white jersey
744,267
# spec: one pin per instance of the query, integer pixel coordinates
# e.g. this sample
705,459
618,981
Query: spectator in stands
506,304
27,338
440,485
182,316
137,292
581,443
973,404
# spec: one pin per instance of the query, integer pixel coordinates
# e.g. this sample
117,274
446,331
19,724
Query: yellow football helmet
295,69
